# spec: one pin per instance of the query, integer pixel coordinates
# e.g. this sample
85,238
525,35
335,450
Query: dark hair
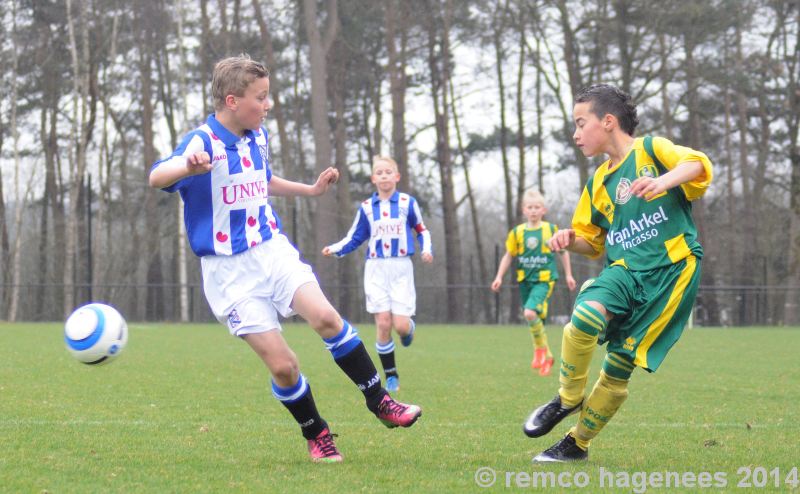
606,99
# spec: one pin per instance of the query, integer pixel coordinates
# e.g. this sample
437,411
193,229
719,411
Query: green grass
187,408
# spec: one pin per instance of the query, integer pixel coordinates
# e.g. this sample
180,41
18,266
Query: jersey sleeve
415,222
671,155
511,243
585,227
194,142
358,233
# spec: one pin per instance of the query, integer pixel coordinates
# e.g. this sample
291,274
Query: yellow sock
607,396
577,348
539,336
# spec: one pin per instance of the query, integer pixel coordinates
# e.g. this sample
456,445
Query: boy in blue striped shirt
252,274
389,220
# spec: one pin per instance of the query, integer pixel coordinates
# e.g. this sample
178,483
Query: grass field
187,408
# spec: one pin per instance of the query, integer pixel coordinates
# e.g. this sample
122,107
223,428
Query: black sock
360,369
389,367
303,409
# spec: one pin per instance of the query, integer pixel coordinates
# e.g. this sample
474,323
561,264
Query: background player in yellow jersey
536,273
637,210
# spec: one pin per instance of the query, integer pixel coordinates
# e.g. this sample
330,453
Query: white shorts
248,291
389,286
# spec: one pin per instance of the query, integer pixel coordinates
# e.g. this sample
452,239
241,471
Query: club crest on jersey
532,243
623,192
647,171
234,319
264,153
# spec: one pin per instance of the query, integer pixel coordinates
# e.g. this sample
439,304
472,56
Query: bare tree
499,24
477,230
276,87
439,64
790,48
396,25
320,44
83,104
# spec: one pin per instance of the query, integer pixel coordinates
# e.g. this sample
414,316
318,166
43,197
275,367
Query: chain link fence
474,304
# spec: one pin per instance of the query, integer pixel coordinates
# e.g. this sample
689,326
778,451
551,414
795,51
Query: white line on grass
9,423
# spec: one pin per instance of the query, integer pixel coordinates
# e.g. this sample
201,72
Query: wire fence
475,304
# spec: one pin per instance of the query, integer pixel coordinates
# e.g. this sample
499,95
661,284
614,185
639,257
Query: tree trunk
539,127
84,101
791,312
440,77
347,300
182,247
477,229
666,109
572,59
205,55
709,297
154,278
395,21
622,17
498,29
284,158
19,200
319,45
521,172
4,250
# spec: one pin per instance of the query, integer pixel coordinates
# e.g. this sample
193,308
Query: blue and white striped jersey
389,226
227,210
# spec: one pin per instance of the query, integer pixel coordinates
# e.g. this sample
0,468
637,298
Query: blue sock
386,354
300,403
351,356
344,342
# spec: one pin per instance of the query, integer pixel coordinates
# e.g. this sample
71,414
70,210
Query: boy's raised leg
351,356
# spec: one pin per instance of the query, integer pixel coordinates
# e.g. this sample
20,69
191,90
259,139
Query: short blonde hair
388,159
533,195
232,75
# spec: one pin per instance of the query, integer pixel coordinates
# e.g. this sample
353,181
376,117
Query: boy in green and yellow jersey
536,273
636,210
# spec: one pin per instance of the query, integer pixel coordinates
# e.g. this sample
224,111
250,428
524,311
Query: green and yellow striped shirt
535,260
637,233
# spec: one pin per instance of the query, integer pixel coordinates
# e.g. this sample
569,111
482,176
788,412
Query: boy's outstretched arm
648,187
174,169
565,262
281,187
566,239
358,234
505,263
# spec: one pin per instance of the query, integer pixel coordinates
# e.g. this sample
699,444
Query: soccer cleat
392,384
393,413
547,416
539,356
407,339
566,450
322,449
544,370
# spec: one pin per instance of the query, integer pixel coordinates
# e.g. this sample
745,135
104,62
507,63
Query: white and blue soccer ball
95,334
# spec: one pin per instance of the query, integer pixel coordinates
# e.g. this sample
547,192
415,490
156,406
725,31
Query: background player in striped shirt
389,220
636,210
252,274
536,273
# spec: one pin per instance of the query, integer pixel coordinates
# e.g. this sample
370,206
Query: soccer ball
95,334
